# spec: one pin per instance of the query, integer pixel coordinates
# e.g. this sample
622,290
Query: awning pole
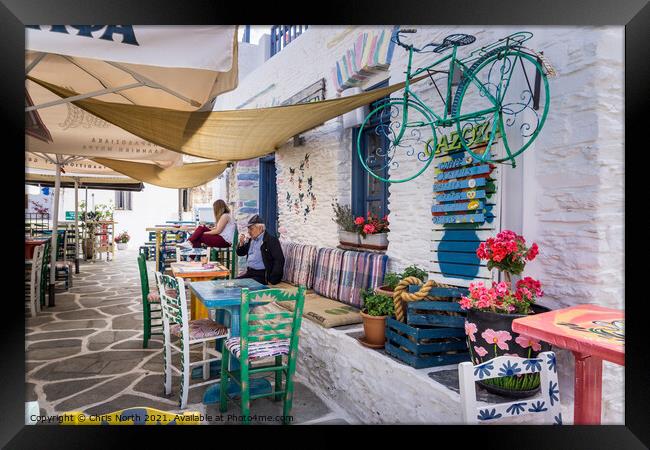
55,234
180,205
76,225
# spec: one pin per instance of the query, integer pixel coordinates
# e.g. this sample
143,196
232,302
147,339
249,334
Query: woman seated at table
220,235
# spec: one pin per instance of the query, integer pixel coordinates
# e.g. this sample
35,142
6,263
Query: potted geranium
392,279
348,230
122,239
376,308
491,310
373,231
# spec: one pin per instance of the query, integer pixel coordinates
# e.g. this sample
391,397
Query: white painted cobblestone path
85,354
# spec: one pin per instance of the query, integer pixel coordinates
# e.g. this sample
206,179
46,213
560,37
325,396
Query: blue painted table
225,295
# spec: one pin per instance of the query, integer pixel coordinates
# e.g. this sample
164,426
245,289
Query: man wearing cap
265,260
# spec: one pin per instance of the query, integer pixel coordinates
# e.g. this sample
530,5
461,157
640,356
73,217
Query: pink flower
497,337
525,342
501,288
532,252
470,330
368,229
359,220
465,302
480,351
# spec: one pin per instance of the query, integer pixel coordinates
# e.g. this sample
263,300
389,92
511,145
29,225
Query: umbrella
174,67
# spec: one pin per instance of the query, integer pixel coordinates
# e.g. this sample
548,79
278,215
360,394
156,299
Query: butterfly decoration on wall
298,203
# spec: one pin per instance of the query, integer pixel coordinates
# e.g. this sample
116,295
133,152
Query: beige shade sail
185,176
222,135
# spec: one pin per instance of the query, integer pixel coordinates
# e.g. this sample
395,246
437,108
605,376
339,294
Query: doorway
268,204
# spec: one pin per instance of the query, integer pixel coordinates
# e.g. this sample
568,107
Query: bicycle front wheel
504,96
390,149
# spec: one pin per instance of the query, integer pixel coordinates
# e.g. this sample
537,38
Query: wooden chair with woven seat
33,282
176,322
259,340
150,305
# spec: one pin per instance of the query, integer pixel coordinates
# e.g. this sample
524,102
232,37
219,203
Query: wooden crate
430,337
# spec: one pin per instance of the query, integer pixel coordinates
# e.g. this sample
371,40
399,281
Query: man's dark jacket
272,257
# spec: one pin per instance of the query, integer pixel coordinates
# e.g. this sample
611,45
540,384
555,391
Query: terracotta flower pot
384,290
377,241
375,329
349,238
490,335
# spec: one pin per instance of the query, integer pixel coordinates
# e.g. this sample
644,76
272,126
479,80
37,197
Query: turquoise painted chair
151,309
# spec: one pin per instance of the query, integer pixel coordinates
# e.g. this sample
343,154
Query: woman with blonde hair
219,236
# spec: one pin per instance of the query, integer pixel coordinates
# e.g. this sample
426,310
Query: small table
30,244
194,271
593,333
226,295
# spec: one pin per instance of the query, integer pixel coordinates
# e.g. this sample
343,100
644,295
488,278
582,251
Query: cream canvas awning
68,181
185,176
222,135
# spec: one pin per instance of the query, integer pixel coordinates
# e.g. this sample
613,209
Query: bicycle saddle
453,40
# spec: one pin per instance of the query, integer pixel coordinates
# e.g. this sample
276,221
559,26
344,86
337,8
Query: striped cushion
257,350
299,261
201,329
359,271
328,272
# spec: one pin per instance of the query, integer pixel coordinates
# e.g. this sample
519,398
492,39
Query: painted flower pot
490,335
374,328
122,245
349,238
378,241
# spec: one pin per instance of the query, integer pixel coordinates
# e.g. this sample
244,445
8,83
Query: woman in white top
219,236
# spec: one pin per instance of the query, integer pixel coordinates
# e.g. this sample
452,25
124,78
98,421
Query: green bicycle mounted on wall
501,90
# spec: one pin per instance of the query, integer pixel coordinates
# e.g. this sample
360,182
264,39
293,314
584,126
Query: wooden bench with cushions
334,279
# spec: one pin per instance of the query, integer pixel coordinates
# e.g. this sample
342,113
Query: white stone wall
572,177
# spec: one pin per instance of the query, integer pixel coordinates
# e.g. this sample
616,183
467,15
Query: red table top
587,329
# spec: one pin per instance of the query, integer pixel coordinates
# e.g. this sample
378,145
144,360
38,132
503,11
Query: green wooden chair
45,272
226,256
149,299
261,340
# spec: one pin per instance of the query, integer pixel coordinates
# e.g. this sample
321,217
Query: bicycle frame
445,120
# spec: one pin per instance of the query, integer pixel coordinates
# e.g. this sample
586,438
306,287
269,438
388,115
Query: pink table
593,333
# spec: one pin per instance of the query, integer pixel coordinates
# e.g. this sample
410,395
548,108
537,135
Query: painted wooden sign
464,206
312,93
462,159
459,218
476,135
464,172
463,195
457,185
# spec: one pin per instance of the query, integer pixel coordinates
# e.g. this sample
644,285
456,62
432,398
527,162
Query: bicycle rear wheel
386,144
503,96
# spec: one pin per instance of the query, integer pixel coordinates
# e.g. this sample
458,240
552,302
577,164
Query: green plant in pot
491,310
376,308
392,279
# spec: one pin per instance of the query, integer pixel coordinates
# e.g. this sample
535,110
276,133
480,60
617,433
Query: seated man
265,263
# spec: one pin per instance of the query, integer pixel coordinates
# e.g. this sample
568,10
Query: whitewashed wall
572,200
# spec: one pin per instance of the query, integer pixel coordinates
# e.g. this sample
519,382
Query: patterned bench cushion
201,329
359,271
257,350
328,272
299,262
326,312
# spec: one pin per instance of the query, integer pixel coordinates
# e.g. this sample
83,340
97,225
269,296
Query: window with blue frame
368,193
